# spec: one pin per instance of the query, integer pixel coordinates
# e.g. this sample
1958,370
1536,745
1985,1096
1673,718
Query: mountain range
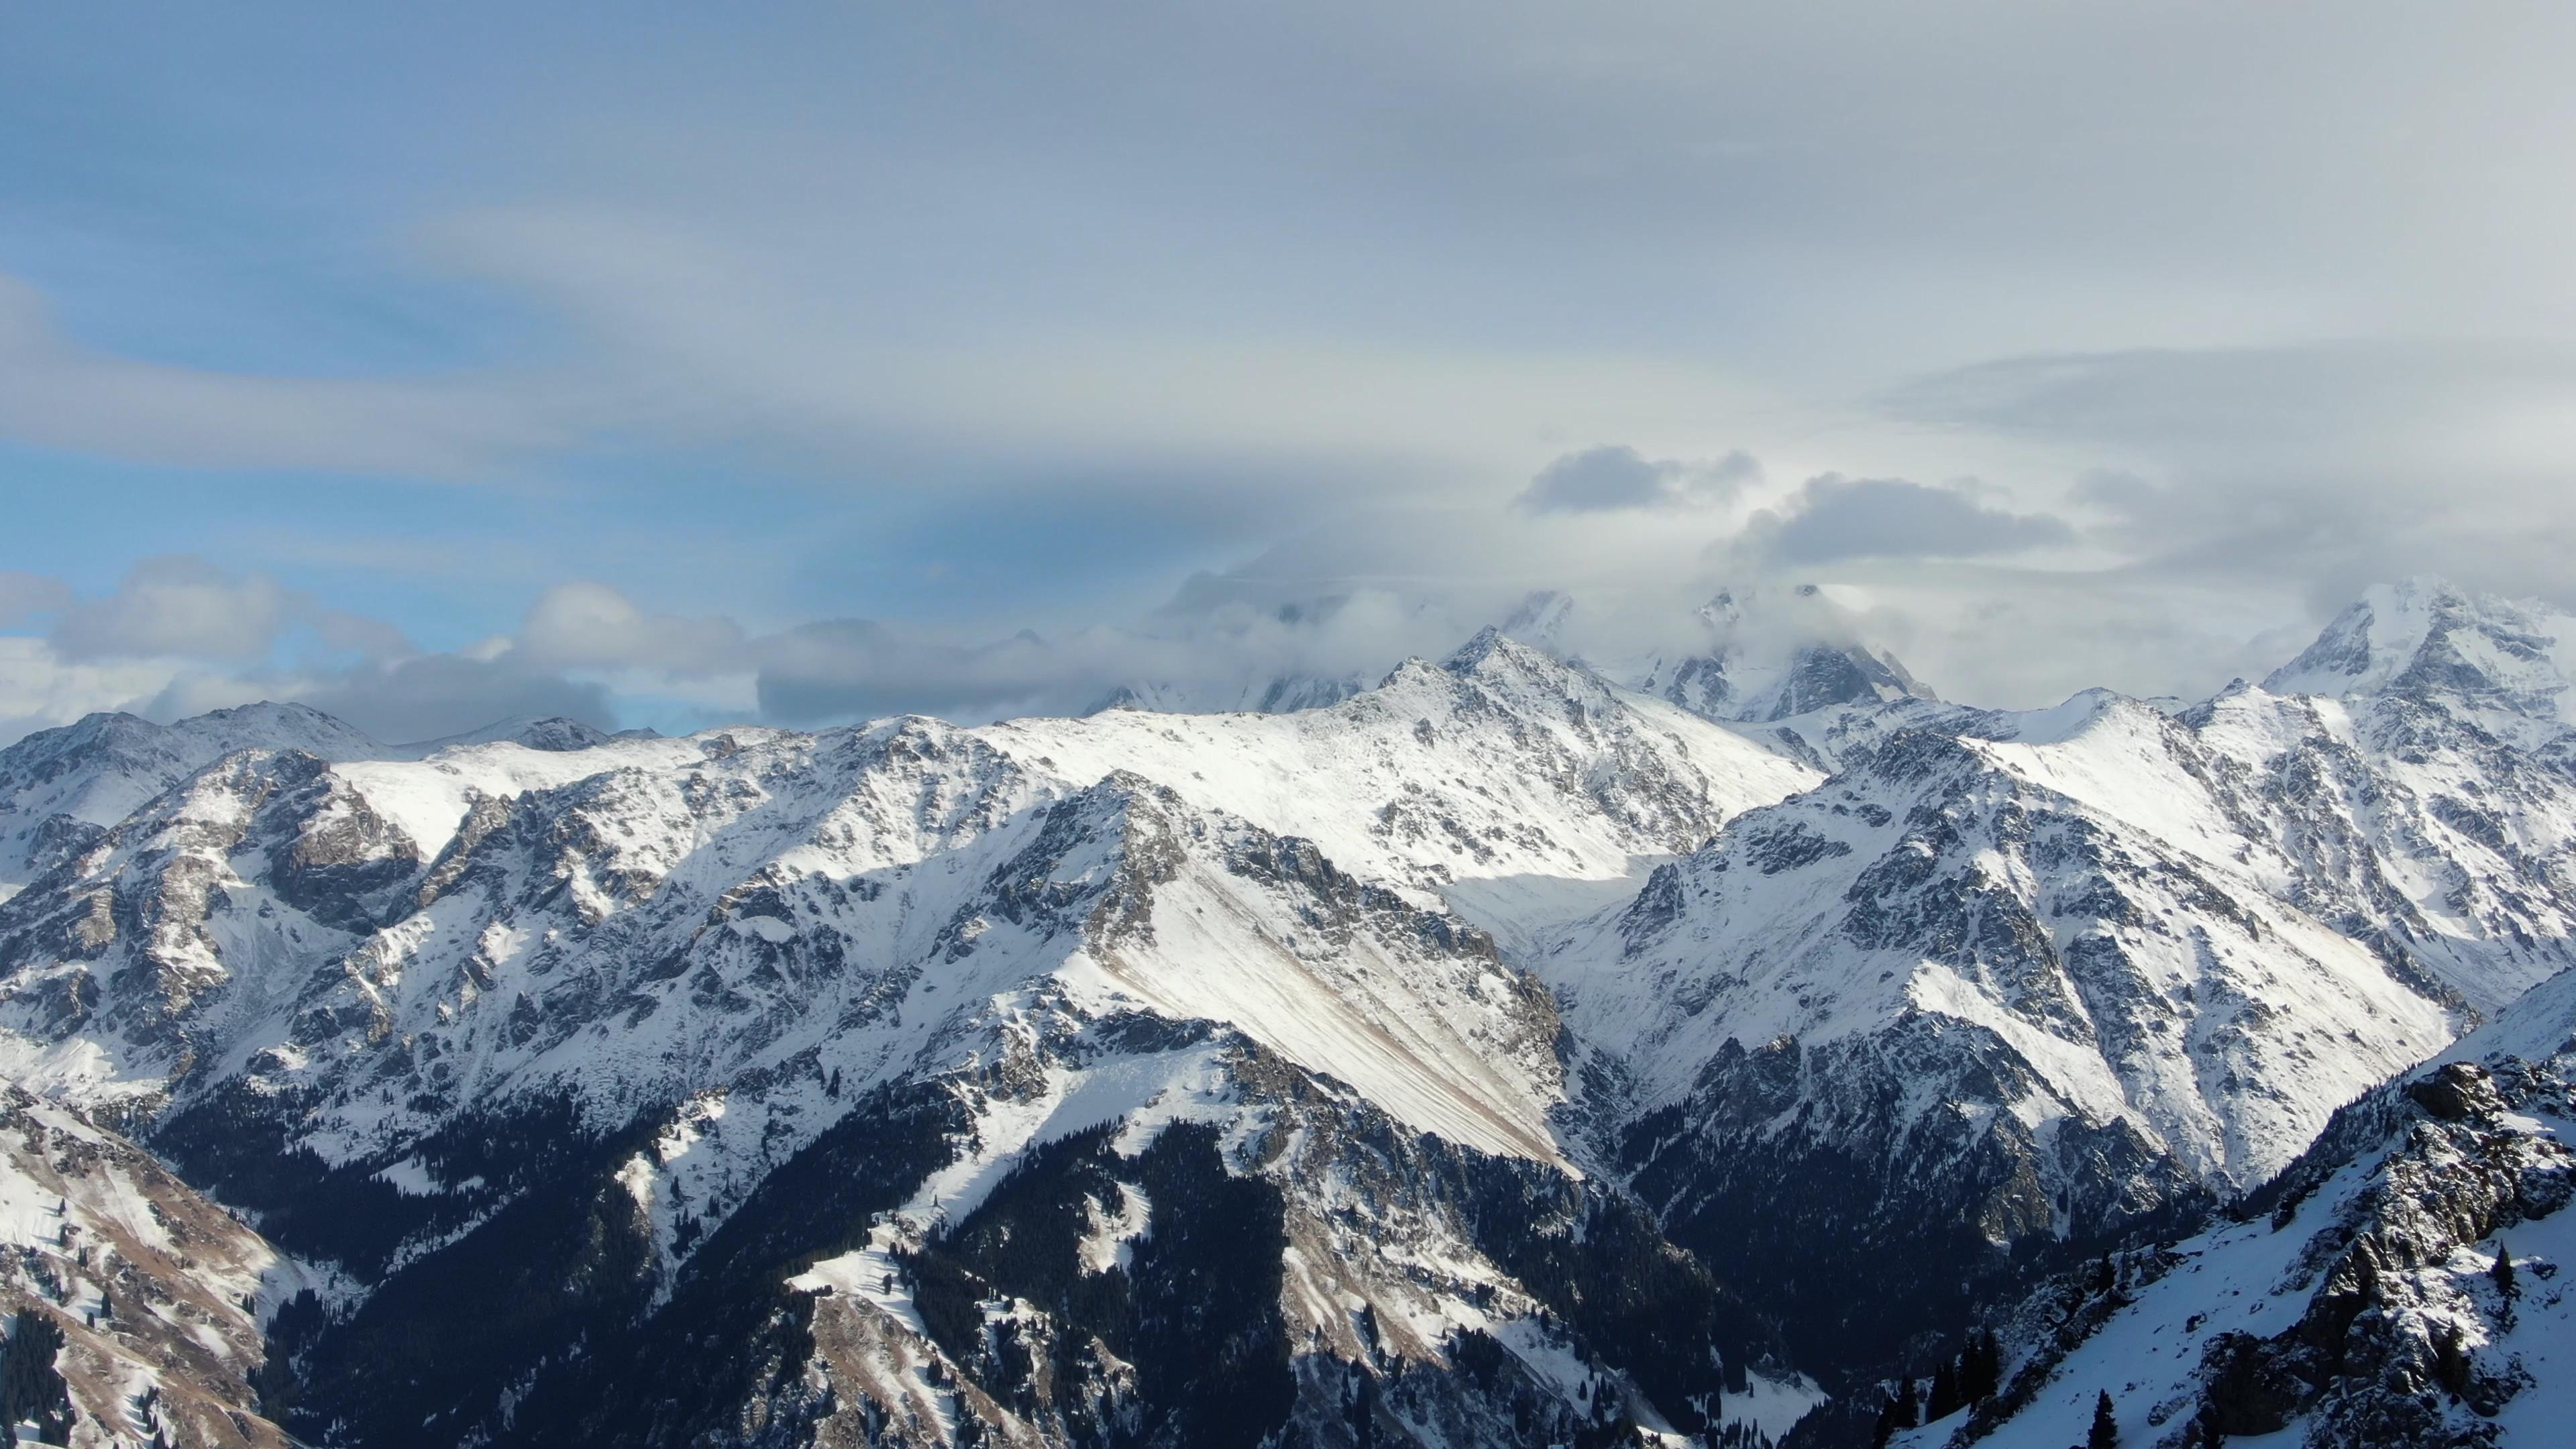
1524,1048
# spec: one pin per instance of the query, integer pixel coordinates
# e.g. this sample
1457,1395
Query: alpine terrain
1705,1042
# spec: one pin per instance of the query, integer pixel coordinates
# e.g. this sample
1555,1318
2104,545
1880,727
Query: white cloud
39,689
592,626
1832,518
175,606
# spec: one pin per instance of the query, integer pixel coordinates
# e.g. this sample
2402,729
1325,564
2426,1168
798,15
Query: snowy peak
60,787
1820,676
2424,638
1494,655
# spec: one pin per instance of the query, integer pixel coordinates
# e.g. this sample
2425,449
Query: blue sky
845,343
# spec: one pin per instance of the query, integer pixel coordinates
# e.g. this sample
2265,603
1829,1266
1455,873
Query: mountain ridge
1969,993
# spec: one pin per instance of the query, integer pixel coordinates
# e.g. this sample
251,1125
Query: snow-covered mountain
60,787
334,985
1945,1006
1518,1052
2500,665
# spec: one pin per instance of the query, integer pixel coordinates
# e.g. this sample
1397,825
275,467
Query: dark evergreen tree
1981,1368
2503,1273
2105,1433
1945,1394
1897,1413
31,1389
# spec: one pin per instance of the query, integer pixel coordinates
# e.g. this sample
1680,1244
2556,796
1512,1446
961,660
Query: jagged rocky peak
1494,654
2423,636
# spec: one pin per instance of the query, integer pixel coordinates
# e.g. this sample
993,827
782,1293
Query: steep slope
2361,1303
1090,955
2418,763
1162,1236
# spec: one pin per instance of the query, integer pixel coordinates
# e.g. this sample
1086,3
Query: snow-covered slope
1522,790
2119,957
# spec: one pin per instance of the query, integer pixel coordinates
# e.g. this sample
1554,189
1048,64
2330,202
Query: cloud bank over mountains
858,359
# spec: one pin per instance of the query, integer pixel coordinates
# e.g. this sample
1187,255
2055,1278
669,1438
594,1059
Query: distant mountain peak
551,732
1774,653
2424,638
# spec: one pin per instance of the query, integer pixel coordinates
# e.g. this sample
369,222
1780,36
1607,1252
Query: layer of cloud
1614,477
2329,466
1831,519
592,626
59,394
178,607
432,696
